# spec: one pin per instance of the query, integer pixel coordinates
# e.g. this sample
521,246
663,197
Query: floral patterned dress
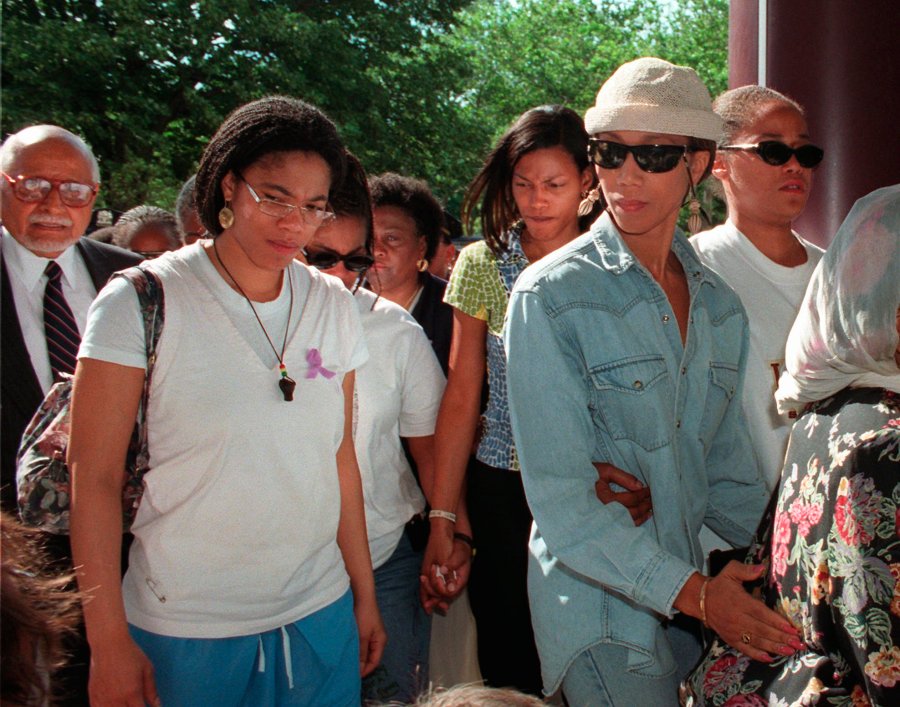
834,566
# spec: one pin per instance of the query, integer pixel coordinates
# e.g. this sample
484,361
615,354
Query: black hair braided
254,130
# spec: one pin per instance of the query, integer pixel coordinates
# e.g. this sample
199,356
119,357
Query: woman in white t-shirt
398,392
251,532
765,164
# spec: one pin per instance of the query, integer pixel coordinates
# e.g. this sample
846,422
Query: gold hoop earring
422,264
226,216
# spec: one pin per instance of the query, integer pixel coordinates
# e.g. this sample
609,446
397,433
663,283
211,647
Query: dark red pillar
840,59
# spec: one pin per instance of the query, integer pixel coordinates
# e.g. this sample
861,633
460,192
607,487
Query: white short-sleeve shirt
398,393
237,529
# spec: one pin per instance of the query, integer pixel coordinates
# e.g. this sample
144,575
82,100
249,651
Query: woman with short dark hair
408,222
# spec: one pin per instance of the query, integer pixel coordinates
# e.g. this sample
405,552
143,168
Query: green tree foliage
532,52
147,83
422,87
542,51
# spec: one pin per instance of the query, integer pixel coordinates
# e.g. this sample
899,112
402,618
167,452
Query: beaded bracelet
446,515
703,601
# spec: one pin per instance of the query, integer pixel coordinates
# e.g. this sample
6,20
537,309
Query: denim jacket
597,372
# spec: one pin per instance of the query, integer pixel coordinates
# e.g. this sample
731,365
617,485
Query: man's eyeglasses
311,215
35,189
777,153
326,259
650,158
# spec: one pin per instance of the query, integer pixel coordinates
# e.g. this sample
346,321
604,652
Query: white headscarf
846,331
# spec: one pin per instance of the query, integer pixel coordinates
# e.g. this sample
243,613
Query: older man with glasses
49,275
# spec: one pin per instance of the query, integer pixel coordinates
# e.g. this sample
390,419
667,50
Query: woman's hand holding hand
743,622
121,675
636,497
441,584
439,555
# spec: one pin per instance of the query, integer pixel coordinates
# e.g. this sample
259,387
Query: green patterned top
479,286
475,286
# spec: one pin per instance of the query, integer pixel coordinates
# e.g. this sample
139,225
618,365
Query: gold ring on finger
745,637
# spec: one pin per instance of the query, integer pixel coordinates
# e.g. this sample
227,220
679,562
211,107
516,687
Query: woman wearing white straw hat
640,350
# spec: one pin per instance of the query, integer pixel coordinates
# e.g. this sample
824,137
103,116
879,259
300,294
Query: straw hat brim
702,124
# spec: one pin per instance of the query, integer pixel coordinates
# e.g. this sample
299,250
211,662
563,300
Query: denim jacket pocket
629,395
723,385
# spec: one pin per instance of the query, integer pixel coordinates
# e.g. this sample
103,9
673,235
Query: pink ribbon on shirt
314,359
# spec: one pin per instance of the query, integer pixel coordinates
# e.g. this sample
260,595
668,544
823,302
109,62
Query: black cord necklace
285,383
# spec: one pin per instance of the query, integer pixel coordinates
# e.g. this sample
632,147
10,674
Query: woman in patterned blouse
832,539
528,191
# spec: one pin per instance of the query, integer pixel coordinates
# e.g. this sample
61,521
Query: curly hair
254,130
414,197
145,216
37,612
738,107
536,129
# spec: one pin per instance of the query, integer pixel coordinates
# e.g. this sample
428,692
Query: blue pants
403,671
600,677
314,661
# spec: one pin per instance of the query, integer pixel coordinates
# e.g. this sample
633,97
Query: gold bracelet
446,515
703,601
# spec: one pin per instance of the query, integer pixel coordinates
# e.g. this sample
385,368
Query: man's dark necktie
59,324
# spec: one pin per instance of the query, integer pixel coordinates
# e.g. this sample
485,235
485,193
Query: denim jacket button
665,317
638,385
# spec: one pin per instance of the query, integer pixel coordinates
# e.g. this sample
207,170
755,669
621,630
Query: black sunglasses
777,153
326,259
650,158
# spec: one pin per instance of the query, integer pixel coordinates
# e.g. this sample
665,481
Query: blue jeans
600,676
311,662
403,671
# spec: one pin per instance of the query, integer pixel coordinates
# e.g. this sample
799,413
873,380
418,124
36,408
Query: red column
840,59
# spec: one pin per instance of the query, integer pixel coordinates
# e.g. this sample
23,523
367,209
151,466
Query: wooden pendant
287,386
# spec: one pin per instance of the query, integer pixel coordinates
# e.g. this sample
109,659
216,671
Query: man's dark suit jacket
20,391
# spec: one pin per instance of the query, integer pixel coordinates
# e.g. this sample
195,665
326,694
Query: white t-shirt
771,294
398,393
237,530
